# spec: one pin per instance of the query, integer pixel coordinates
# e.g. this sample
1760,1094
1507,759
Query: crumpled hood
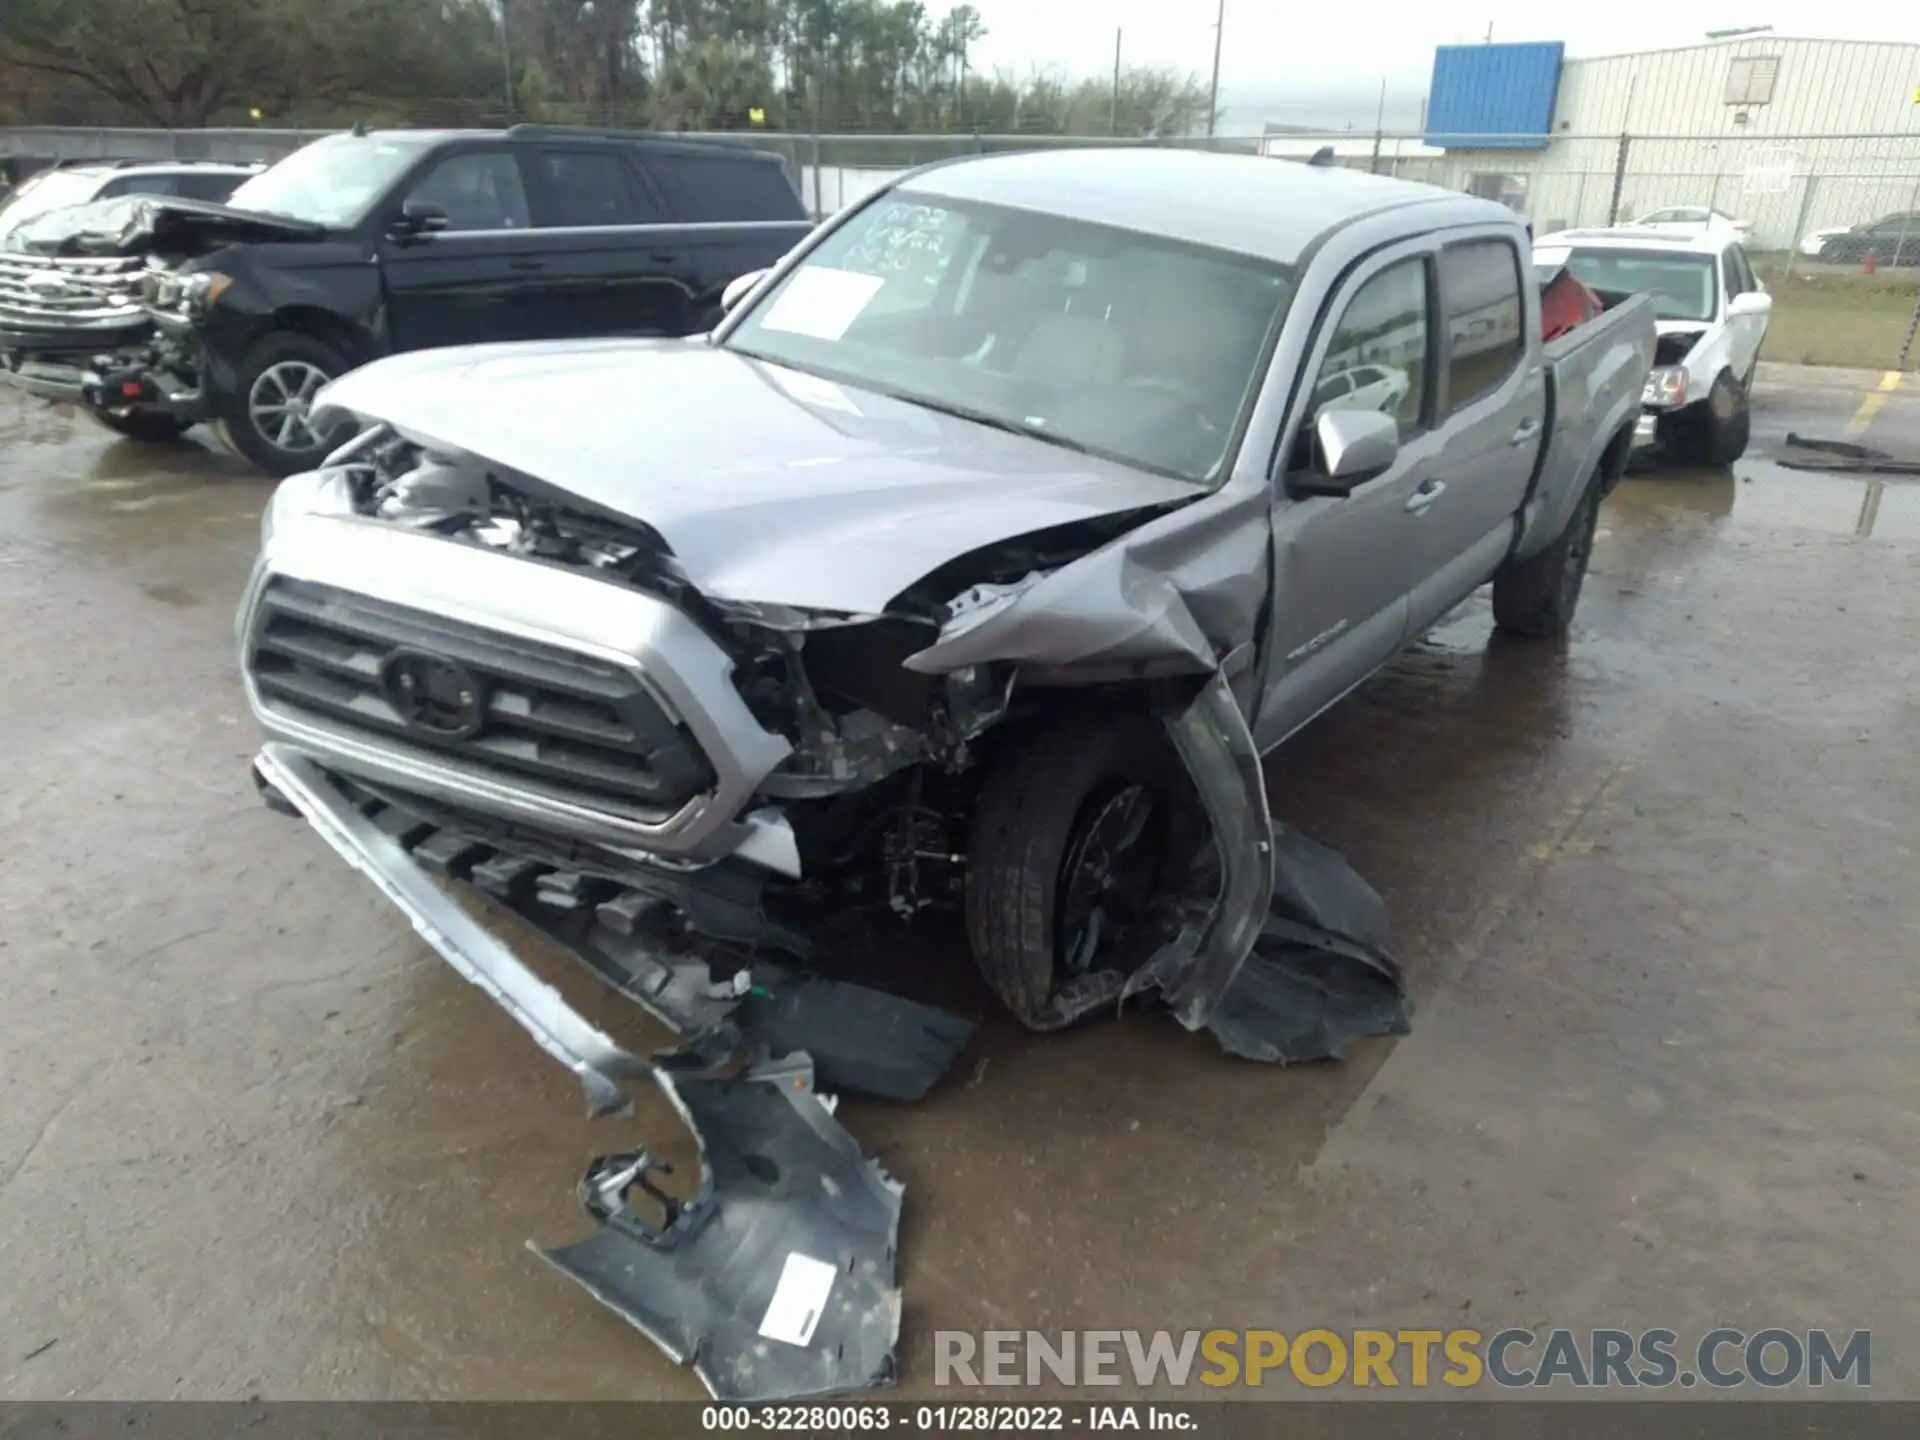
136,224
769,485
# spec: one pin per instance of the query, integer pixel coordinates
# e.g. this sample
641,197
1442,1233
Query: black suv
364,244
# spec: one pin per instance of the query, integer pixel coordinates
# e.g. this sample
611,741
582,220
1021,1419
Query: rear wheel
1538,596
267,418
1084,840
153,426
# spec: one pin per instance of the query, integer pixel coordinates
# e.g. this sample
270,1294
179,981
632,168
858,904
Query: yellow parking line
1870,405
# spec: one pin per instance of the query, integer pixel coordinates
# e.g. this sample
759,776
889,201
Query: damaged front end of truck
686,733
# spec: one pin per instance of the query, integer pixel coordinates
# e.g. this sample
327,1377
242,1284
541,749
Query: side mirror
1752,302
421,217
737,288
1350,448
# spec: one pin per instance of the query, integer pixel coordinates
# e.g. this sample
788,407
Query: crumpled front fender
1171,597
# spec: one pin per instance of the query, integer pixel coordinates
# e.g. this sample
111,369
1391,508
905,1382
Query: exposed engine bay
836,686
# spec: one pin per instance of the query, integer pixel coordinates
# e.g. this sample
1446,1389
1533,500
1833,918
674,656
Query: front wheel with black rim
147,426
1085,841
268,418
1537,596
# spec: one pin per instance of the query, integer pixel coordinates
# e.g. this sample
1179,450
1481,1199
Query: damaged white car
975,557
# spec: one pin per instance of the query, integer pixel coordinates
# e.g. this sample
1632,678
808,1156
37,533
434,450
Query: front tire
1716,431
153,427
1080,838
265,419
1537,597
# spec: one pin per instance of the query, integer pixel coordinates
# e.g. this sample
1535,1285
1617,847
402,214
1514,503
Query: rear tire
1538,596
1042,810
264,419
153,427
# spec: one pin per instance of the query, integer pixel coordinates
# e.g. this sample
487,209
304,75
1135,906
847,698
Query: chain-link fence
1833,221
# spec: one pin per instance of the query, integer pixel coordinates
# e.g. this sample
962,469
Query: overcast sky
1326,59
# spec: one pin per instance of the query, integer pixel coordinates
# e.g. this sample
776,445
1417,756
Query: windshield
332,181
49,190
1682,286
1130,346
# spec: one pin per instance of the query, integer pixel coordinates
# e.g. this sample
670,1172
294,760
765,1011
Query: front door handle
1529,430
526,262
1429,491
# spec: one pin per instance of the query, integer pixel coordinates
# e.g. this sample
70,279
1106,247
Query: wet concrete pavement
1654,890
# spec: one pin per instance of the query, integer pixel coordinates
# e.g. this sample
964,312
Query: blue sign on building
1480,92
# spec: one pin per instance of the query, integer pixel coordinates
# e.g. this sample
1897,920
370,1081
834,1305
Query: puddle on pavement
1766,495
172,595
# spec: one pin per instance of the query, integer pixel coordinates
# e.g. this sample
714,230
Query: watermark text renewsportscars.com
1515,1358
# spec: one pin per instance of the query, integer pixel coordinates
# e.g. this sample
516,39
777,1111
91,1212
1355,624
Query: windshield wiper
990,420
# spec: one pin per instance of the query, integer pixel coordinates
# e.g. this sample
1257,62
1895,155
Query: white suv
82,183
1712,312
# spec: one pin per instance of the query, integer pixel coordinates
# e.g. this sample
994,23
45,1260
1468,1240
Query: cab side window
1480,282
1740,276
1377,358
479,190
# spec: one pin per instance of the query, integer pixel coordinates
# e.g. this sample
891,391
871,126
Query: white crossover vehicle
1712,313
1690,220
1380,388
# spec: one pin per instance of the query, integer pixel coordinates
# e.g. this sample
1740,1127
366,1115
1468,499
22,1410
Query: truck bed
1595,377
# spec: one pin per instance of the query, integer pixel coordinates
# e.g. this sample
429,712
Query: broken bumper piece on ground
776,1281
1319,977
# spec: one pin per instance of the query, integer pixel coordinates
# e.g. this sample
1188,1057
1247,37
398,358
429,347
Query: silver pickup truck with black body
977,554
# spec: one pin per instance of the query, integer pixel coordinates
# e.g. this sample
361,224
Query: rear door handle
1529,430
663,257
1429,491
526,262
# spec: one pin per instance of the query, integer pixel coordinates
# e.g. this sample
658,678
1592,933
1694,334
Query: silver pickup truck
977,555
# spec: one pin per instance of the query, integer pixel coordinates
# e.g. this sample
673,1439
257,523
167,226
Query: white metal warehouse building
1788,134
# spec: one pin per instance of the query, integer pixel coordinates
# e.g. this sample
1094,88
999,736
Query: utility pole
1113,117
506,59
1379,126
1213,91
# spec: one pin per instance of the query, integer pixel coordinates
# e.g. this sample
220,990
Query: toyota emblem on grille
437,698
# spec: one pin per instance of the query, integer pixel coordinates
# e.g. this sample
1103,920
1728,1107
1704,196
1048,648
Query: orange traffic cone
1872,262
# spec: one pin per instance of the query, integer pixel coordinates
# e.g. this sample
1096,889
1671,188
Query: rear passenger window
712,188
593,187
1740,276
216,185
1377,359
1480,283
139,185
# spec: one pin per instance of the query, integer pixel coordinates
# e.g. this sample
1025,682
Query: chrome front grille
530,714
69,292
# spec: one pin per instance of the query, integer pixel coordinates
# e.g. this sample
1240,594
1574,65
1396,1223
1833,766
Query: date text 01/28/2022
930,1419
